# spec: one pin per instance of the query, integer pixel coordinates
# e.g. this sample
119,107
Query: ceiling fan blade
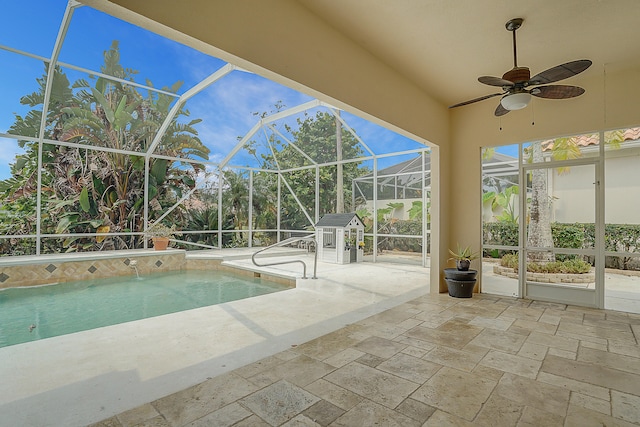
500,111
557,91
471,101
495,81
560,72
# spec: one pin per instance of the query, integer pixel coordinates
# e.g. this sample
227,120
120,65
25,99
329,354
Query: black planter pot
460,288
454,273
460,282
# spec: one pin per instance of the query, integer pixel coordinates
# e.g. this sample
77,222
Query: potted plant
461,280
463,257
161,234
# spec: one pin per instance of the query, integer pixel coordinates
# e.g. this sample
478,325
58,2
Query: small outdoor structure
340,238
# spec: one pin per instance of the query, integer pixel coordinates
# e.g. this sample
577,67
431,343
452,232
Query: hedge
618,238
405,228
571,266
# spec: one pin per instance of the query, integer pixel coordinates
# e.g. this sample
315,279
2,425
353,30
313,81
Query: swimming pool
33,313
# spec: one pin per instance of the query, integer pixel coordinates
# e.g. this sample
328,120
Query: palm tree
93,190
539,232
236,198
265,212
539,226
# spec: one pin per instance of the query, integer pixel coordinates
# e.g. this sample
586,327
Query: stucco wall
622,186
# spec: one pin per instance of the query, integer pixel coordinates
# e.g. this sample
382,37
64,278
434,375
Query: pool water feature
33,313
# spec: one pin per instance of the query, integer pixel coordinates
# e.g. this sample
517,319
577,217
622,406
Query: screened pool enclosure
107,128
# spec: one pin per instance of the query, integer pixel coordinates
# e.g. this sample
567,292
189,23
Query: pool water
33,313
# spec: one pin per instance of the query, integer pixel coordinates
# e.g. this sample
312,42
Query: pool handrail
309,237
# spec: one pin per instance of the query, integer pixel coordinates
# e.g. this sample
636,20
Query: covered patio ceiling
440,46
444,46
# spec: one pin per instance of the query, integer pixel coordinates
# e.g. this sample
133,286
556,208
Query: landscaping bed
560,278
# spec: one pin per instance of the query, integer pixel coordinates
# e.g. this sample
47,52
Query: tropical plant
415,212
503,204
265,203
463,257
101,191
539,231
205,220
463,253
394,206
235,196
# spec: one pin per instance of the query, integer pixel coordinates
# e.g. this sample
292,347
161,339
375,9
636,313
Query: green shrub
510,261
570,266
618,238
577,266
405,228
500,233
622,238
567,236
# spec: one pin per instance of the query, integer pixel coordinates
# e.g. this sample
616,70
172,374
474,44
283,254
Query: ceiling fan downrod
512,25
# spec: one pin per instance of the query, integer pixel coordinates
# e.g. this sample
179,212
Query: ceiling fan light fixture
516,101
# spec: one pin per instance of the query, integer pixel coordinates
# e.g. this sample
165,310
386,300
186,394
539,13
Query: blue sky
226,107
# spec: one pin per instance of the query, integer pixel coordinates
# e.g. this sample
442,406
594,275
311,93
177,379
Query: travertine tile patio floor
433,361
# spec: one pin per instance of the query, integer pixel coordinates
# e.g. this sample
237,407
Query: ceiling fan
515,82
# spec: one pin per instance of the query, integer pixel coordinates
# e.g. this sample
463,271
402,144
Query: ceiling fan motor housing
517,75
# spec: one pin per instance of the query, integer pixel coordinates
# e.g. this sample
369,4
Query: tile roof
630,134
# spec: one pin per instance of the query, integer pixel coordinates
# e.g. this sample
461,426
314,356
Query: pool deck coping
224,254
82,256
